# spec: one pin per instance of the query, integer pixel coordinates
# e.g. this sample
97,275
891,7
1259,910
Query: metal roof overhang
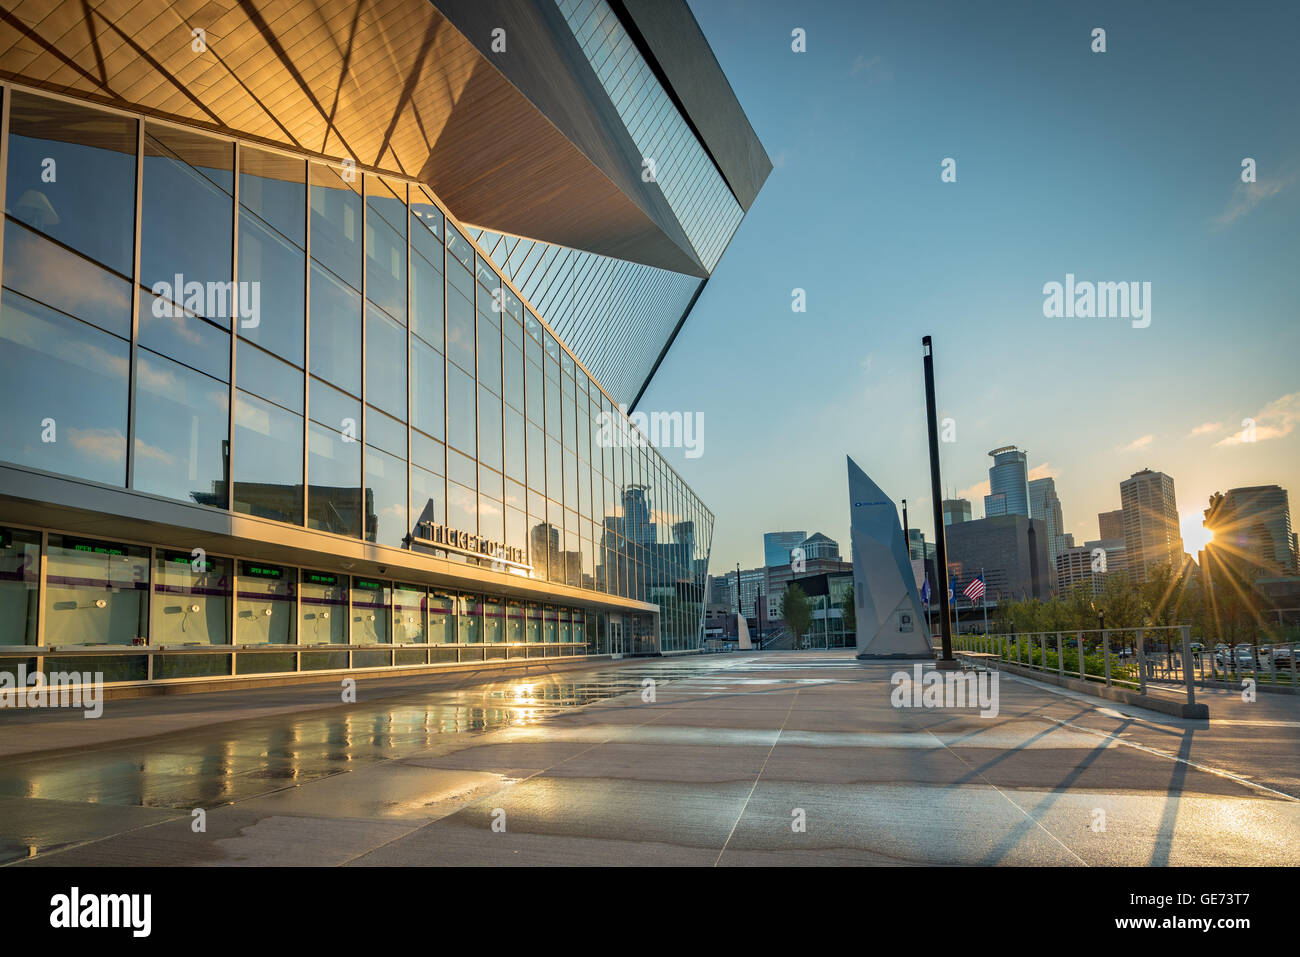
523,141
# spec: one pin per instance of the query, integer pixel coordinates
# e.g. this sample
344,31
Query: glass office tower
278,411
1008,483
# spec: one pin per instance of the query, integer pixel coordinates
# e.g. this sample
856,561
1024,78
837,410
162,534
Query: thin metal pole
1142,660
984,600
936,490
1188,681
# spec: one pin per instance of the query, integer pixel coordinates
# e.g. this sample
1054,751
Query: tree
1121,602
797,610
849,608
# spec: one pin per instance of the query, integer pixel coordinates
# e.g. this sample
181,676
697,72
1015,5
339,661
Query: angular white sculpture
890,620
742,632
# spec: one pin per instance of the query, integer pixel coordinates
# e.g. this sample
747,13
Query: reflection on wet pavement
239,761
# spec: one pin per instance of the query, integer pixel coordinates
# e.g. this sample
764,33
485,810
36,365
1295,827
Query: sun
1195,535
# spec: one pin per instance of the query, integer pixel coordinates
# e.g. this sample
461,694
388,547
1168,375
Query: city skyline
858,126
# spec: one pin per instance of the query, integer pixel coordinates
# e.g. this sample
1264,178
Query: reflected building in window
362,389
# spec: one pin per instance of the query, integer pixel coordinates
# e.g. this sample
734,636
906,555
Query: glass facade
700,198
328,350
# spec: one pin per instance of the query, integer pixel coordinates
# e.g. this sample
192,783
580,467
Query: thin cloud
875,67
1246,197
1276,420
1137,444
1204,428
1046,470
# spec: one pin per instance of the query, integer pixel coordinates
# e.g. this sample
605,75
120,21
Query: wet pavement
795,757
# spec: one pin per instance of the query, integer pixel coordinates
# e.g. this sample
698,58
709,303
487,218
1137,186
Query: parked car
1242,658
1283,657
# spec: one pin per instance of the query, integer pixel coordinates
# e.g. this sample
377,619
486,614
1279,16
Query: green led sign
181,558
262,571
316,578
94,548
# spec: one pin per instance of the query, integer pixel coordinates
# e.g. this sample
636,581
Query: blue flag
925,592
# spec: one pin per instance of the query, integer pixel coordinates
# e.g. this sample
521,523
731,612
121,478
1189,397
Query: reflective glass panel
268,460
266,605
335,331
96,592
426,389
181,426
408,614
372,603
188,184
336,222
385,493
442,618
333,475
385,363
48,273
71,176
191,599
324,600
79,430
20,571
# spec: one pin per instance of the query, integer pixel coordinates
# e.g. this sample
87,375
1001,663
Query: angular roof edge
671,39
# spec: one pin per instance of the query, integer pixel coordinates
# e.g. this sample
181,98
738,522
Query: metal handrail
1030,650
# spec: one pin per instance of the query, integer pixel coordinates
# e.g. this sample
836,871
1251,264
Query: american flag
975,589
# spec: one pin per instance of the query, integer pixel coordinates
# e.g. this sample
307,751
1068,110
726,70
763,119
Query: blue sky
1115,166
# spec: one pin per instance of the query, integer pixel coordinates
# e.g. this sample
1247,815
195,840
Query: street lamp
946,662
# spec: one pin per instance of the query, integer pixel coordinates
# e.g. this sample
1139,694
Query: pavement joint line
1037,823
1173,757
757,777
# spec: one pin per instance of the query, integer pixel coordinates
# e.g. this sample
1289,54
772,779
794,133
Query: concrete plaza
733,754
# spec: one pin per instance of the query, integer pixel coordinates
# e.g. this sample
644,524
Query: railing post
1105,653
1083,672
1189,682
1060,654
1142,661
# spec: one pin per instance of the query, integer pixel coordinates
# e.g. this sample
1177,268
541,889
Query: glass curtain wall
324,349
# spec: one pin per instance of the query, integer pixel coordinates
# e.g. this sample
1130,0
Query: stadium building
312,314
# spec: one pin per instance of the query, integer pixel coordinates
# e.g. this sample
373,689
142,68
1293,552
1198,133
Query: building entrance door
616,636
